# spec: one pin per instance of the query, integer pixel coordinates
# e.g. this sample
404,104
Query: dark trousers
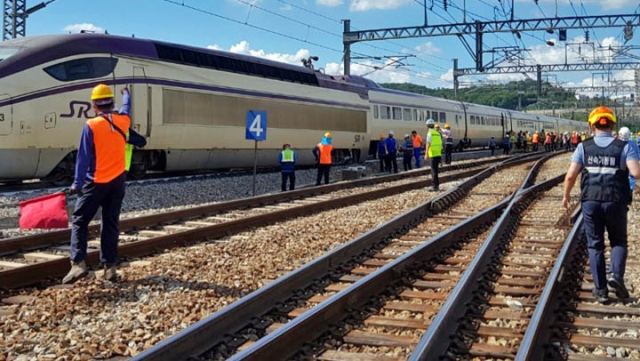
392,162
382,161
547,147
535,147
448,149
418,155
94,195
506,149
599,216
435,170
493,149
291,176
406,162
323,171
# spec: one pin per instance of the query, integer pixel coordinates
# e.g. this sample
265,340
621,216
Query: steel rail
533,173
285,341
42,271
539,330
212,330
36,241
437,338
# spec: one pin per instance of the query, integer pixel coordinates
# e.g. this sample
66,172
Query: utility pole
14,17
347,48
456,83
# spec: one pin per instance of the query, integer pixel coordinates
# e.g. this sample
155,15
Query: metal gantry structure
14,17
515,26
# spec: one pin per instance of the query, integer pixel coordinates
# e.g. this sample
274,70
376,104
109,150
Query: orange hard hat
602,115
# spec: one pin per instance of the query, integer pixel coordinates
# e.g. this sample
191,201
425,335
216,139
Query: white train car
191,104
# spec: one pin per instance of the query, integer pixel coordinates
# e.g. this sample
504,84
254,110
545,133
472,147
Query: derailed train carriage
191,104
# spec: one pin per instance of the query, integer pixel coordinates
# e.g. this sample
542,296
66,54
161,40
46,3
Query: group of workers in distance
526,142
608,165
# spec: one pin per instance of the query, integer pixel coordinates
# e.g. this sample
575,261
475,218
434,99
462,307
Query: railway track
291,299
32,259
568,324
493,305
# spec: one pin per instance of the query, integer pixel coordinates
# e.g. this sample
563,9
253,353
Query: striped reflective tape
601,170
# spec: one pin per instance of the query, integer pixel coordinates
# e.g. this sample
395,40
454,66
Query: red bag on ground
44,212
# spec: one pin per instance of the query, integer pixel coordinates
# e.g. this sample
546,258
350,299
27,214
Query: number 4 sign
256,125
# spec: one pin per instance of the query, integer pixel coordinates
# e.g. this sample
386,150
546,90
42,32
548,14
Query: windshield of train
5,53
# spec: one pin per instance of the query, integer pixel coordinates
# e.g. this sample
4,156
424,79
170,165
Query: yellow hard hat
446,126
382,136
437,126
327,134
602,115
101,91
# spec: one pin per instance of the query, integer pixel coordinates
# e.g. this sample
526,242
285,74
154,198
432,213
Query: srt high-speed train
191,104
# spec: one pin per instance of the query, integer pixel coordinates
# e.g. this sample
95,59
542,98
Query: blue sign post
256,130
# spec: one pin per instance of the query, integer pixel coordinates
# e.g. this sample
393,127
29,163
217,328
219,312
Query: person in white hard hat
434,152
392,153
625,135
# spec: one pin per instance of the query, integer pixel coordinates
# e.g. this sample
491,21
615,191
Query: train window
472,119
482,120
87,68
428,114
443,117
420,115
397,113
434,116
385,112
415,114
375,111
407,114
228,63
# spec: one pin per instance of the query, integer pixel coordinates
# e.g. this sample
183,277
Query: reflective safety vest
547,139
574,139
287,156
536,137
128,153
435,147
603,179
325,153
110,146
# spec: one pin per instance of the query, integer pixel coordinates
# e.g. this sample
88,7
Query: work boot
110,273
618,285
78,270
601,295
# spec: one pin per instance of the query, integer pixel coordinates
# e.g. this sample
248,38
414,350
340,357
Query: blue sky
431,66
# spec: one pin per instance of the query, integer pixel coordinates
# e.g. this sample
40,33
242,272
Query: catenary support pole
347,48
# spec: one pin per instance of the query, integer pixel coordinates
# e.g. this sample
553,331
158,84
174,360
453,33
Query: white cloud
76,28
380,76
365,5
427,49
244,47
329,3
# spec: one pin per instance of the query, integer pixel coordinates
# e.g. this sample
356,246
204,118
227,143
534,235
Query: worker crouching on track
100,176
323,153
382,153
407,149
448,140
287,160
605,163
434,152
